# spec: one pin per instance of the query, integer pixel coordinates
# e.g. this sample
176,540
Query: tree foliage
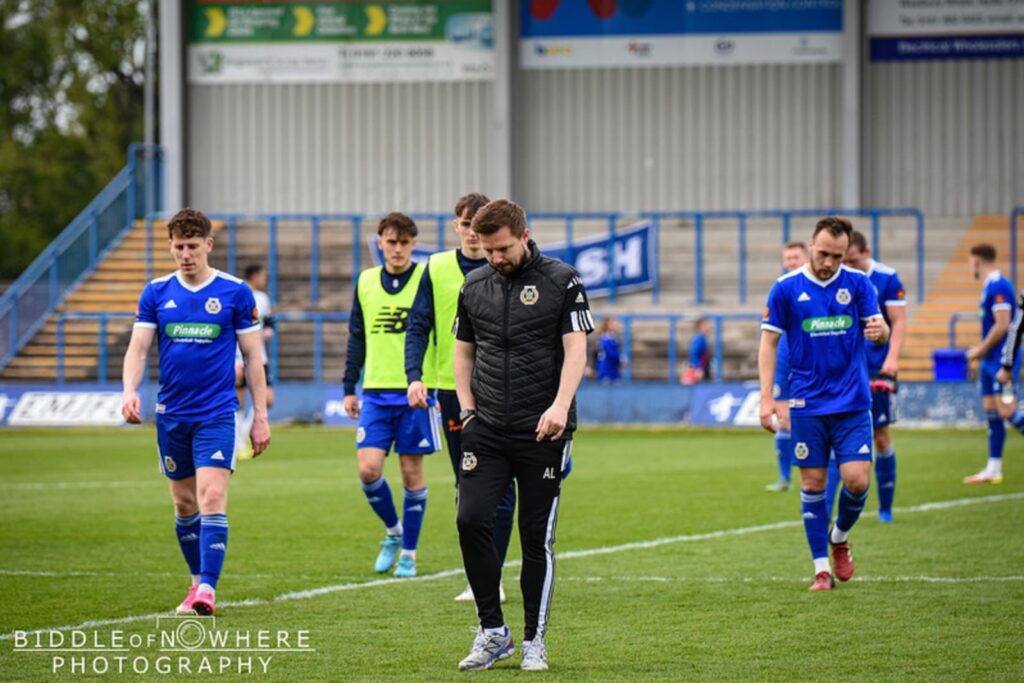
71,100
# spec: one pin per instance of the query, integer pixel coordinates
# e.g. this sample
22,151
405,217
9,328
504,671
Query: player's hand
974,353
552,423
890,367
874,329
417,394
260,435
131,408
766,413
1004,376
351,407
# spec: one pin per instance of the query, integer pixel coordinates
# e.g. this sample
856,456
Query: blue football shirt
196,328
890,293
996,295
823,322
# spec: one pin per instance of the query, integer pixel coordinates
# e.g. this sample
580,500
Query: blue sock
378,495
1017,420
831,485
812,503
885,474
996,434
213,539
413,507
784,453
850,507
187,529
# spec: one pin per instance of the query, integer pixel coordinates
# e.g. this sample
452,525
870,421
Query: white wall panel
337,147
678,138
945,136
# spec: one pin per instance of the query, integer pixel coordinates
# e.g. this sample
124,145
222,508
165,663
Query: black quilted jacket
517,322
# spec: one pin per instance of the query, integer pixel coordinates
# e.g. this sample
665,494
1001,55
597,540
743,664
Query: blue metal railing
318,318
357,221
786,217
74,254
1015,215
101,339
954,319
673,320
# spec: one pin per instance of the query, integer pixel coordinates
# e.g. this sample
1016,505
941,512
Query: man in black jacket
520,352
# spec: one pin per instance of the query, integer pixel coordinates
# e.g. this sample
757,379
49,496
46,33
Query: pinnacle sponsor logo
391,320
192,330
832,323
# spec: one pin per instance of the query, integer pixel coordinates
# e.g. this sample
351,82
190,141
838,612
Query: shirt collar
993,276
809,274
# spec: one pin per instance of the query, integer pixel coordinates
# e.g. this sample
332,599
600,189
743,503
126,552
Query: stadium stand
116,282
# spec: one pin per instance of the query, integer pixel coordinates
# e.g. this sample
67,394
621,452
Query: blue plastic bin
950,365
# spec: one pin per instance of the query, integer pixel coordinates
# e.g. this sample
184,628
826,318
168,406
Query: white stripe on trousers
549,554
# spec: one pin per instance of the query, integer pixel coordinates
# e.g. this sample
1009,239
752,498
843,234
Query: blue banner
562,18
633,255
953,47
923,404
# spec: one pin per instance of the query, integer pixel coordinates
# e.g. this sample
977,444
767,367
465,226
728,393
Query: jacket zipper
508,357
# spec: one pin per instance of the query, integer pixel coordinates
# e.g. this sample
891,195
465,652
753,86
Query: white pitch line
685,538
43,485
791,579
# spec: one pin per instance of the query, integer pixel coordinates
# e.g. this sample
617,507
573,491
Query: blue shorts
816,436
883,412
987,379
413,431
187,446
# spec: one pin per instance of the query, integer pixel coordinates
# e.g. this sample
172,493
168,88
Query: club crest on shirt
843,296
169,464
213,305
529,296
361,435
801,451
468,461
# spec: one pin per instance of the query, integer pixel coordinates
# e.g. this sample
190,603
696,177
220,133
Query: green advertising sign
276,22
290,42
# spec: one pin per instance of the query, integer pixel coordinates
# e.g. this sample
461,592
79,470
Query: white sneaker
467,595
488,649
535,656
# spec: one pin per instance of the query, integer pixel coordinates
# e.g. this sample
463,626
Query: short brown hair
189,223
403,225
857,239
837,226
796,245
499,214
986,252
474,201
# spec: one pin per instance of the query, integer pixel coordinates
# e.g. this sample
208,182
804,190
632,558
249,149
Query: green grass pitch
694,572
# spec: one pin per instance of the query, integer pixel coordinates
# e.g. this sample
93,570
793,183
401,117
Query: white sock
408,553
240,433
206,588
995,466
395,530
502,631
839,536
821,565
195,579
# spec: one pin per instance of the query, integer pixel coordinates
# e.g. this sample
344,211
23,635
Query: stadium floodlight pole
148,106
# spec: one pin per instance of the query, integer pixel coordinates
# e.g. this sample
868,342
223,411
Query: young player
827,311
377,327
197,314
997,309
432,317
883,364
794,255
